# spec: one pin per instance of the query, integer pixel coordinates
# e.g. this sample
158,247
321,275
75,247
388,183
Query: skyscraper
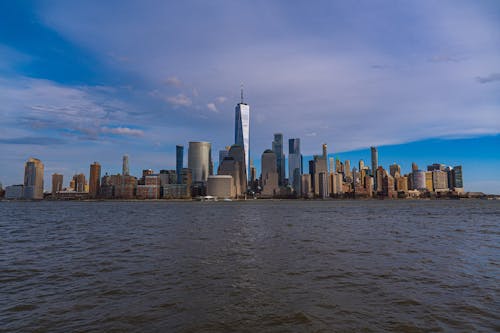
199,159
57,183
179,161
242,129
33,179
79,182
125,168
374,166
280,157
94,179
294,163
269,177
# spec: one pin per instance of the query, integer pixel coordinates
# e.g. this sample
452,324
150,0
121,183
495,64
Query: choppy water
341,266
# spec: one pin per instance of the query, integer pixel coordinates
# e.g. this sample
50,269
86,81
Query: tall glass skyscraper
280,157
294,163
242,129
374,166
125,167
179,162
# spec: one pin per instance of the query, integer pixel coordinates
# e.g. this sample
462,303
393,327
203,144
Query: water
273,266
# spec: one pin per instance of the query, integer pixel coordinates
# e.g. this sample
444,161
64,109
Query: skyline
412,78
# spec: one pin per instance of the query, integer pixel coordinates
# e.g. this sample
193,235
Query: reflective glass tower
280,157
179,161
242,129
294,163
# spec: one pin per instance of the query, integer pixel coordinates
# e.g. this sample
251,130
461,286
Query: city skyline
419,81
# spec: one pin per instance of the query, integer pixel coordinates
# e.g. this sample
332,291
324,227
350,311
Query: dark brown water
341,266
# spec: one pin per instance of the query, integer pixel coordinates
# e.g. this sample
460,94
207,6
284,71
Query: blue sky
84,81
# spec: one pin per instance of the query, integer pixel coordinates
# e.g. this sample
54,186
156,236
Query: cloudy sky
84,81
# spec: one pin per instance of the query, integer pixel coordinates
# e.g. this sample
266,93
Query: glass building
280,157
242,130
294,162
179,161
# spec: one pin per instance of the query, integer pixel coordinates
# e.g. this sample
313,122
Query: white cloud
173,81
212,107
122,131
179,100
220,99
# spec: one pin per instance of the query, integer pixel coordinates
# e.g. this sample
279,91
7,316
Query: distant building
242,130
436,166
269,177
388,186
221,186
428,181
280,157
169,177
150,189
79,182
199,160
418,180
402,184
179,160
395,170
457,182
223,154
14,192
318,165
323,185
33,179
95,180
306,190
125,166
294,164
374,156
57,183
439,180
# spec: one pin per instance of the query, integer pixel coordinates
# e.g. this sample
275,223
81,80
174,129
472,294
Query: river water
255,266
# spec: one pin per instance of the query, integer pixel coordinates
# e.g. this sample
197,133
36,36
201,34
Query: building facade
199,160
33,179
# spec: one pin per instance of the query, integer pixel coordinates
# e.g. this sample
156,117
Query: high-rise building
57,183
224,153
418,180
294,164
374,166
439,180
95,179
280,157
395,170
199,159
318,165
79,182
237,154
33,179
242,129
269,177
179,161
361,165
414,166
436,166
457,178
125,167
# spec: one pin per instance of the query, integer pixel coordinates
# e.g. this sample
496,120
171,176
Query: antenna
241,87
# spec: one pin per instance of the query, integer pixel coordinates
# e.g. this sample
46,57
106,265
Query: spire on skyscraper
241,88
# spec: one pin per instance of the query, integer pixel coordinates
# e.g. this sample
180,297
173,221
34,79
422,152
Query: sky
84,81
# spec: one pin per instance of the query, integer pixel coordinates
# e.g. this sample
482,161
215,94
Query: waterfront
403,266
